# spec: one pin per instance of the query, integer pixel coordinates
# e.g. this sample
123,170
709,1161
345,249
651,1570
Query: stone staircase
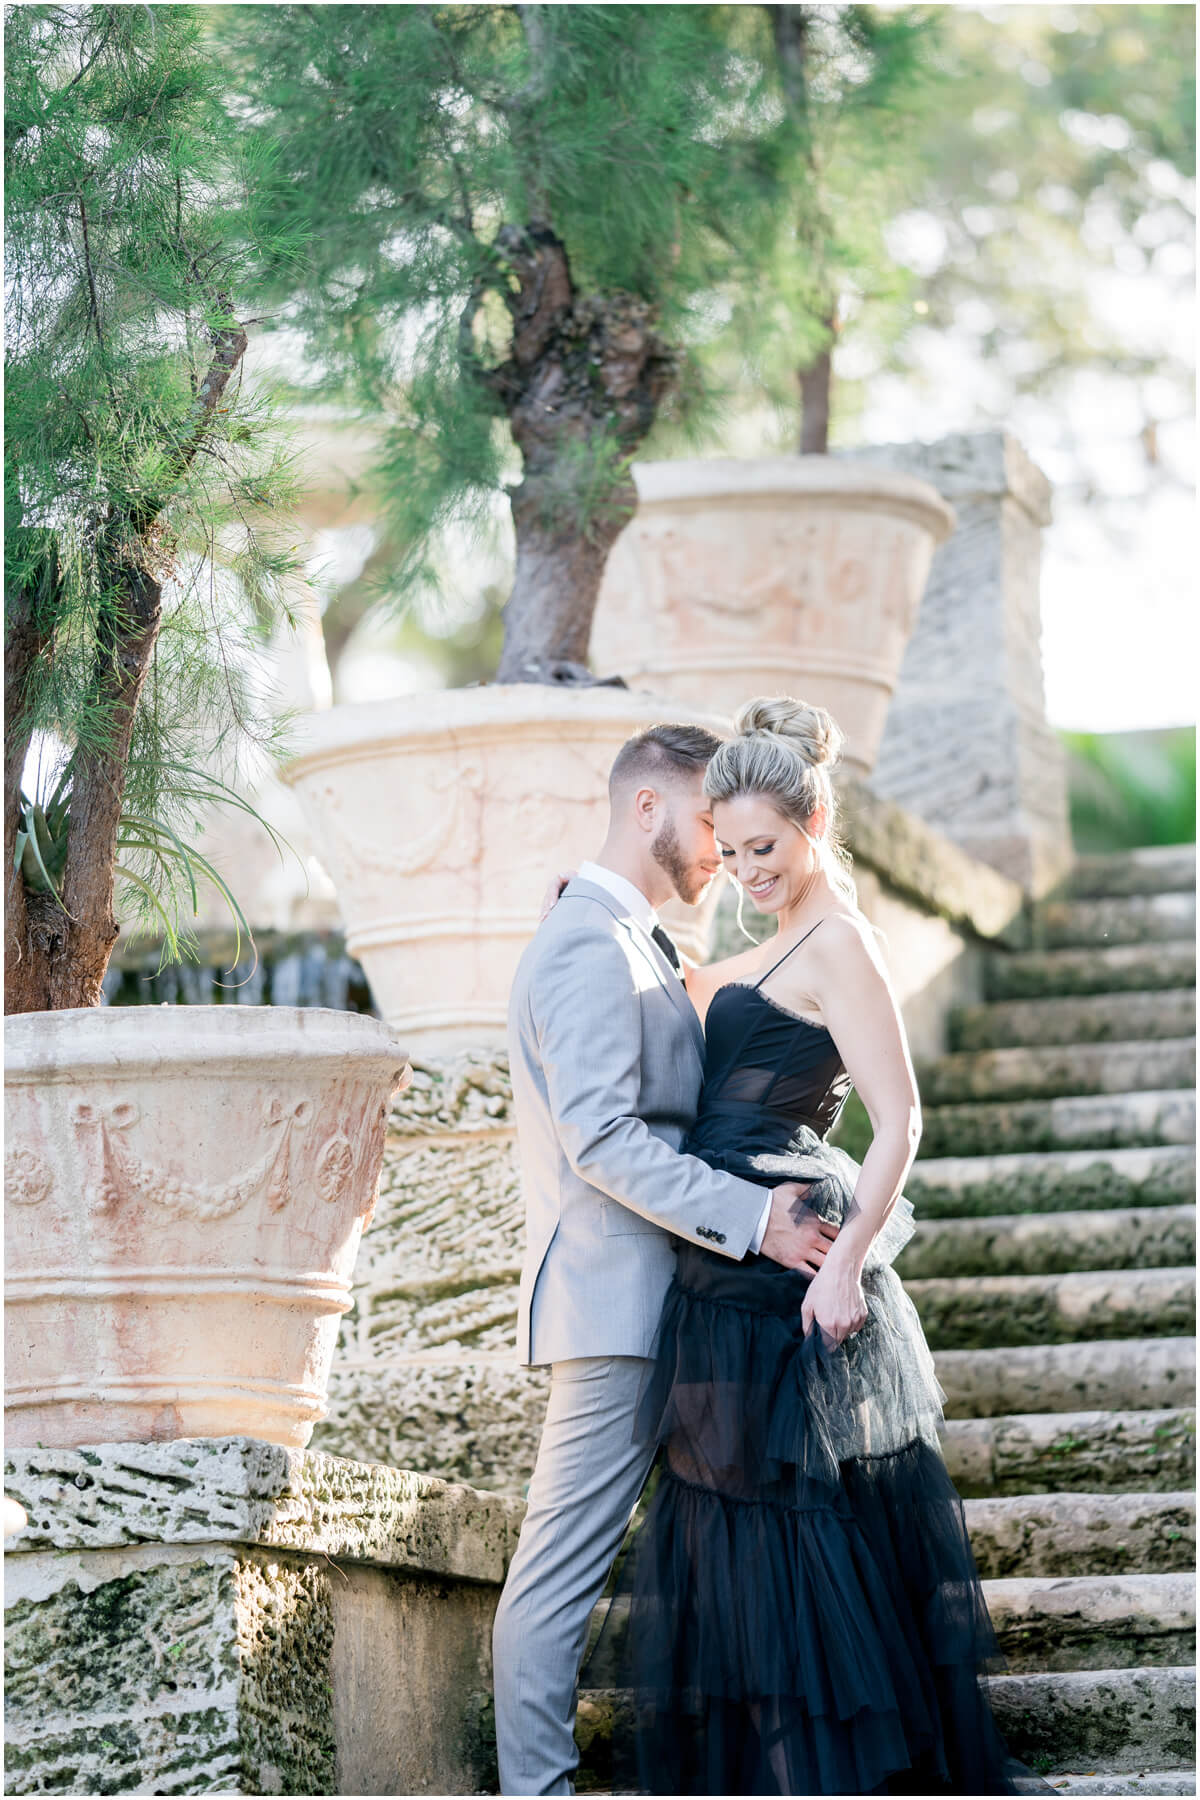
1054,1275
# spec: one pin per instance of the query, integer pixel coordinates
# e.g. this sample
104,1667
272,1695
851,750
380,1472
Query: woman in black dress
800,1611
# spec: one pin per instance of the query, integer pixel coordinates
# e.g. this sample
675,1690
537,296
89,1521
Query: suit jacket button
720,1236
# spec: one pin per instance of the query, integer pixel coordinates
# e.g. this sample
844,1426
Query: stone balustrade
225,1615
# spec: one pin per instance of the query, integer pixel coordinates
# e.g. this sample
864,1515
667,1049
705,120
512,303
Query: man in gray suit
607,1056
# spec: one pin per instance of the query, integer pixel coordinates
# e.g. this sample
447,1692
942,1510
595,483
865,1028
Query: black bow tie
666,945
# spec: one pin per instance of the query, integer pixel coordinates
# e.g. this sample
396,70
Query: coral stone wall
228,1616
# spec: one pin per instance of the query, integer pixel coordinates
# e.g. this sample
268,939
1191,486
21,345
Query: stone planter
784,575
186,1192
440,818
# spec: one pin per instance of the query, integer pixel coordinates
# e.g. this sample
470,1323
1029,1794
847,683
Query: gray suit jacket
607,1057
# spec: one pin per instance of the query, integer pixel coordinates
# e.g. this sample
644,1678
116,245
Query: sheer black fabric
799,1611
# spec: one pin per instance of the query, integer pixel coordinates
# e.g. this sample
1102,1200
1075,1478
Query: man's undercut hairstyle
661,756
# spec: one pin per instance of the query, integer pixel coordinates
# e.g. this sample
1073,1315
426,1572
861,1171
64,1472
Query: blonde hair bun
808,730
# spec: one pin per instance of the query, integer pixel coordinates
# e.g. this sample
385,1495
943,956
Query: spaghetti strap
787,953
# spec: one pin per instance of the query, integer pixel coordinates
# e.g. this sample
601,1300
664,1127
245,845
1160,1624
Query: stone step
1125,1719
1051,1181
1042,1622
1044,1071
1128,1719
1083,1534
1150,1451
1110,1782
1094,1621
1079,1019
1034,974
1127,1237
1071,1122
1123,1375
1131,919
1157,869
977,1311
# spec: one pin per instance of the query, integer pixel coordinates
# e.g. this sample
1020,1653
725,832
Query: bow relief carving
116,1173
366,846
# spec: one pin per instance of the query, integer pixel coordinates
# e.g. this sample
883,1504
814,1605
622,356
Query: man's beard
688,881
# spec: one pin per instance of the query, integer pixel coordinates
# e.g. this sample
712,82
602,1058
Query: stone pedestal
228,1616
967,745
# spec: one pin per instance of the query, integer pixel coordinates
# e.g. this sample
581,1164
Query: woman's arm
849,979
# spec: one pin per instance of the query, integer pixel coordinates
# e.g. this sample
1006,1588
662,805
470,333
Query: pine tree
853,82
513,212
132,460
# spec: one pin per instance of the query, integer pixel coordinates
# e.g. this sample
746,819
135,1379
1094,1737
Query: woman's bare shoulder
847,939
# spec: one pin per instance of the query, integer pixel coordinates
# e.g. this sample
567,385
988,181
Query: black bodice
766,1072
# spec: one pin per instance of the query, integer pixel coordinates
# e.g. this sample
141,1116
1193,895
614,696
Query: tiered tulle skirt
799,1611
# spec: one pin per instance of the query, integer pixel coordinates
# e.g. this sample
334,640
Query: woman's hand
836,1301
553,893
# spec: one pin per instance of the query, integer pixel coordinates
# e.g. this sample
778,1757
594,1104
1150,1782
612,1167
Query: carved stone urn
186,1189
441,817
785,575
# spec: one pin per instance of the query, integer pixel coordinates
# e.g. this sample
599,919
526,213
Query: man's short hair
662,755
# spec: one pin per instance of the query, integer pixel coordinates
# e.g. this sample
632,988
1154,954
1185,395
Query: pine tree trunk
816,381
28,628
582,389
57,954
548,616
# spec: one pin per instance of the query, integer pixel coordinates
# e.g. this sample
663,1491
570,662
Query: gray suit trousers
585,1486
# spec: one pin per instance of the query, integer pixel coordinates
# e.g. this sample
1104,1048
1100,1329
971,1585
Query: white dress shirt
643,914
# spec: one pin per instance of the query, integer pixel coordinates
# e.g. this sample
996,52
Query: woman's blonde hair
785,750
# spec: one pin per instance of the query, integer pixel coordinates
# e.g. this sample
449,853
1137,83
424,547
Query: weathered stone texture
425,1375
1156,869
1082,1534
161,1641
1043,1244
1120,1718
1084,1453
1130,919
967,745
1029,974
203,1490
1094,1622
1099,1121
1047,1070
1052,1181
398,1646
1087,1019
978,1311
476,1420
170,1678
1126,1375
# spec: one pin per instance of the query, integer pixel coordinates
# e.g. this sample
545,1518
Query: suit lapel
668,979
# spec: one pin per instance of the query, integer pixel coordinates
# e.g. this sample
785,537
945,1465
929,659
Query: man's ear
645,808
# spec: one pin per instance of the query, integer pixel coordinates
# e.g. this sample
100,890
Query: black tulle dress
799,1611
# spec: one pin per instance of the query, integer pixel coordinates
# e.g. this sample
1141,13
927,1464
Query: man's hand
553,894
795,1235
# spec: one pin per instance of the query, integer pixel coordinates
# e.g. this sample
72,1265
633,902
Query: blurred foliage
135,225
850,92
1062,168
1131,788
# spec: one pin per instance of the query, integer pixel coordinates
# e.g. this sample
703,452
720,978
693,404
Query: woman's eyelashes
755,850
